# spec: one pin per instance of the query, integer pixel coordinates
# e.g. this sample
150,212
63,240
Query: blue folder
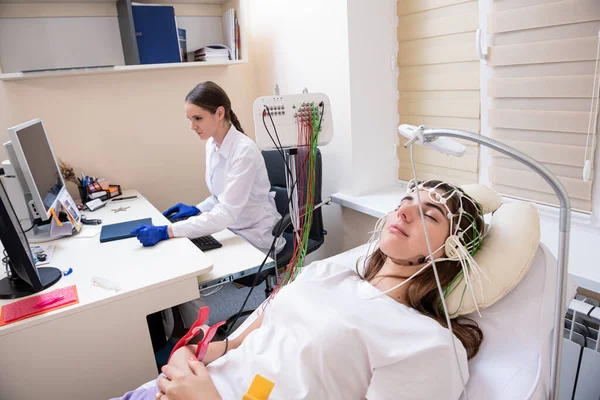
156,34
121,230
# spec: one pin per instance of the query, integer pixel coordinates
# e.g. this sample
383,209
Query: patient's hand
181,385
180,358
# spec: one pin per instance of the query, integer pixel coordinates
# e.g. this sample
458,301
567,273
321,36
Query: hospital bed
513,361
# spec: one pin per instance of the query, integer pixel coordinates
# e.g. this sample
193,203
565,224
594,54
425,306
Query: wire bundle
308,121
309,126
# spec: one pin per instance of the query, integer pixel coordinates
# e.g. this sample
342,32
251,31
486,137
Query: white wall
305,44
341,48
583,250
373,94
374,108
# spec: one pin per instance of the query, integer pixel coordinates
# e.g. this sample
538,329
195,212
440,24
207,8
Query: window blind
541,71
438,82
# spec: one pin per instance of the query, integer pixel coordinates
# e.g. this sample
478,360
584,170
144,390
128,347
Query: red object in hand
198,326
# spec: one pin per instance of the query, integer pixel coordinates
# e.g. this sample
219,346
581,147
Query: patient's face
403,236
203,122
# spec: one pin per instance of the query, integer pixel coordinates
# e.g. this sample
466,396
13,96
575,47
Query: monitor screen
42,165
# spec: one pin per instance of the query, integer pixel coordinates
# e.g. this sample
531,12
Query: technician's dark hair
211,96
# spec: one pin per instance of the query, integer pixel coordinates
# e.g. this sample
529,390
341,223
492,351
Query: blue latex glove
149,235
181,210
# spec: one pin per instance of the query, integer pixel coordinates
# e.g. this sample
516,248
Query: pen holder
83,193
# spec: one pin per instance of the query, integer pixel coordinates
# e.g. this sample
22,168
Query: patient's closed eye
431,216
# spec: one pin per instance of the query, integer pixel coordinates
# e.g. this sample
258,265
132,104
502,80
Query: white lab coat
241,200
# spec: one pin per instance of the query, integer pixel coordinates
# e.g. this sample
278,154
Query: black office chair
276,170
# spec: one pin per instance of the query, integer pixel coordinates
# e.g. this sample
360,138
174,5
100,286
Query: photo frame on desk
68,206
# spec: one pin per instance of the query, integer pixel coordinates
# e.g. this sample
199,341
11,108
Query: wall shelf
16,76
50,35
166,2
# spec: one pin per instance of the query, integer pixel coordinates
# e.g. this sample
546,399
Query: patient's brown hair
422,293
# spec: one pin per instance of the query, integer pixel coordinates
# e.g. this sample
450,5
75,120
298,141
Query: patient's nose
404,214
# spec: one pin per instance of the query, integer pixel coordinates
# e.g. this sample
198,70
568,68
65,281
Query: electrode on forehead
442,198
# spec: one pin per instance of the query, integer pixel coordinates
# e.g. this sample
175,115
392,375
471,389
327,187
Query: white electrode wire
594,95
437,278
375,235
462,259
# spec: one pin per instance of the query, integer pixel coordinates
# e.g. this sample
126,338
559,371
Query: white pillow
505,257
489,199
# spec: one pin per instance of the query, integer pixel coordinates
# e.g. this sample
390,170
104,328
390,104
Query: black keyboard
173,220
206,243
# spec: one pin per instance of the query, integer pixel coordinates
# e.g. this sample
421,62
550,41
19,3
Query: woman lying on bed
336,333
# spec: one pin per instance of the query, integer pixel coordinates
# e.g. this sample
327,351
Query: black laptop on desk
204,243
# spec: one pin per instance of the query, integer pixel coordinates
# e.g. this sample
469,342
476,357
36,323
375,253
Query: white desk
101,347
237,258
583,265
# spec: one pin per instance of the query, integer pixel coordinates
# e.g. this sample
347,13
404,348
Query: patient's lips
397,229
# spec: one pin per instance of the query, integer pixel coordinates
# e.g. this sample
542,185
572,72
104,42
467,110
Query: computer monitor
39,169
25,278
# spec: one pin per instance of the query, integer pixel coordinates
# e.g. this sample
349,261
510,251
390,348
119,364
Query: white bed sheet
514,359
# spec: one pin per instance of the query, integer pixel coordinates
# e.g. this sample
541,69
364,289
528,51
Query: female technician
235,175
